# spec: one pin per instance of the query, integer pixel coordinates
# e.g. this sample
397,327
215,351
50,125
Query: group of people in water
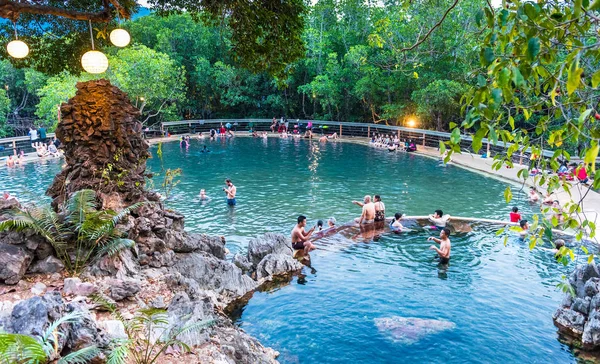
373,215
43,149
392,142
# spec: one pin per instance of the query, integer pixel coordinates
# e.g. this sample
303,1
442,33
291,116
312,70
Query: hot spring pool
494,302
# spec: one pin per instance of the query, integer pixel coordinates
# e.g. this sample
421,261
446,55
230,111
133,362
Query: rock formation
579,316
103,146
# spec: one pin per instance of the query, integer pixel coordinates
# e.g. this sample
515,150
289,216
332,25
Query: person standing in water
379,209
300,237
444,250
230,190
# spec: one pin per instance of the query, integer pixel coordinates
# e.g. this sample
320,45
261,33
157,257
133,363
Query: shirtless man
10,162
300,237
368,211
444,249
230,191
323,139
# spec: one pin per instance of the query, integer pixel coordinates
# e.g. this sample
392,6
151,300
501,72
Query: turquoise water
500,299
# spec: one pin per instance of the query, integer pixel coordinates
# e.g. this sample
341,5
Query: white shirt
33,134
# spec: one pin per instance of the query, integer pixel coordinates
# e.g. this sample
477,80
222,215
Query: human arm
431,238
358,203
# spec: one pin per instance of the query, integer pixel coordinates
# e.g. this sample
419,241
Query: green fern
17,348
82,356
120,351
114,247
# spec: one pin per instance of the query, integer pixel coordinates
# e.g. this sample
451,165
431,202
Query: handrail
425,132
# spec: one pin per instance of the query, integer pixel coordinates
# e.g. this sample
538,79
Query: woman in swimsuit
379,209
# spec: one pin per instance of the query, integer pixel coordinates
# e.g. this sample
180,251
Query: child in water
515,216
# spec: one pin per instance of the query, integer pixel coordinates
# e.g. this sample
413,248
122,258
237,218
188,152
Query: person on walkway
533,195
515,216
42,133
438,219
368,211
445,245
300,237
379,209
33,135
230,191
581,174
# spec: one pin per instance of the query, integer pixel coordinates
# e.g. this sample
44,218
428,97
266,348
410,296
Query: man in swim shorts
300,237
230,191
368,211
445,245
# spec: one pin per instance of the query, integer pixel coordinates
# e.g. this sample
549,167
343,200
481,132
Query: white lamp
120,37
94,61
17,48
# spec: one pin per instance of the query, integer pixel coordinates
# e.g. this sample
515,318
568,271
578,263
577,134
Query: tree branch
419,41
13,9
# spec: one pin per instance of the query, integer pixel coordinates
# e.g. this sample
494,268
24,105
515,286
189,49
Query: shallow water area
499,299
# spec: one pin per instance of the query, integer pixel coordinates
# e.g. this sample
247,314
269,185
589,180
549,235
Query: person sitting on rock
300,237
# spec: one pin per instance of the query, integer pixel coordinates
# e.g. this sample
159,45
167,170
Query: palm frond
193,328
79,205
82,356
120,351
17,348
126,211
114,247
68,318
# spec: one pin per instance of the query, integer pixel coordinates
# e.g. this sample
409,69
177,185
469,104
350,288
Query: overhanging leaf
533,48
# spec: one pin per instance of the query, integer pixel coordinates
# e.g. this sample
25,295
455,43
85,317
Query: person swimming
320,225
524,224
438,219
202,196
331,222
515,216
395,224
533,195
205,150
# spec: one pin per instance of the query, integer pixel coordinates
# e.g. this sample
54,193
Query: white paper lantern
120,37
17,49
94,62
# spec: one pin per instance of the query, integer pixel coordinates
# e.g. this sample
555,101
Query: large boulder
201,242
591,333
569,321
48,265
120,289
184,312
276,264
580,276
242,262
84,331
213,274
14,261
269,243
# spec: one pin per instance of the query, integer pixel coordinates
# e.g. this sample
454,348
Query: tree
439,102
150,78
58,89
265,35
4,109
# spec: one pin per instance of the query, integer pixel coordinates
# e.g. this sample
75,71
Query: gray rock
43,250
591,333
114,329
38,288
84,332
158,302
201,242
14,261
48,265
275,264
569,321
581,305
166,259
33,316
240,347
242,262
592,287
581,275
120,289
213,274
74,287
184,312
269,243
567,301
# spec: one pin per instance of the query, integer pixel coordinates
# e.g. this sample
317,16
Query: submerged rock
409,330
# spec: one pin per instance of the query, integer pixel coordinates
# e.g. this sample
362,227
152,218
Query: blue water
500,298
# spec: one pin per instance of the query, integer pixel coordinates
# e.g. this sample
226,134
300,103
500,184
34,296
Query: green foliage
170,176
4,109
79,232
149,334
57,89
17,348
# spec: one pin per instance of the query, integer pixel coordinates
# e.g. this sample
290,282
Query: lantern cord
15,26
91,34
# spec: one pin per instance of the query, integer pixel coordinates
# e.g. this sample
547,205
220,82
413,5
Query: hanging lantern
94,62
120,37
17,49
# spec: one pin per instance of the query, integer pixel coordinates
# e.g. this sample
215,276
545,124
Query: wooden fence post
423,139
488,149
369,131
340,130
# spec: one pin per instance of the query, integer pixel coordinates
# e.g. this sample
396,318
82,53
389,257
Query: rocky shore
187,275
